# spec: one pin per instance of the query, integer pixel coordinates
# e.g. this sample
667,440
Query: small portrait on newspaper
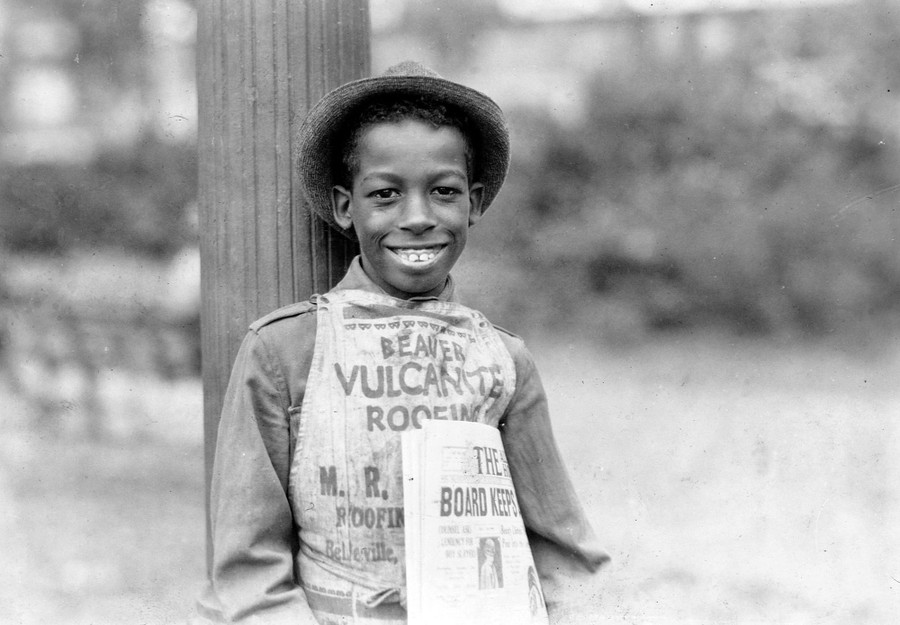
535,594
490,565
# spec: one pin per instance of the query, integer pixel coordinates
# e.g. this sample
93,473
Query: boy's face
411,204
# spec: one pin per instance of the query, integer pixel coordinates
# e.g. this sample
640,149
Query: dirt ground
736,482
732,482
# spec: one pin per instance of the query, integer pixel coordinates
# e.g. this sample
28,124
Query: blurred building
80,77
538,53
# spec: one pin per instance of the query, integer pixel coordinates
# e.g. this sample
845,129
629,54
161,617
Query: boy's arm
252,576
565,548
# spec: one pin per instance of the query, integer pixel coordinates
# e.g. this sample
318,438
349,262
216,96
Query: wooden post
261,64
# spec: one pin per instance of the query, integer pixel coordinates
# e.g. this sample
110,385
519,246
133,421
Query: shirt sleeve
252,576
565,548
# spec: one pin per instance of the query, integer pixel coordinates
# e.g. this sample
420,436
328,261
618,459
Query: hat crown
410,68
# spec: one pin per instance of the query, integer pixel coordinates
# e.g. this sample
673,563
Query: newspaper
467,555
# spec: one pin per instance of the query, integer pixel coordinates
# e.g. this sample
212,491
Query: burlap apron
380,366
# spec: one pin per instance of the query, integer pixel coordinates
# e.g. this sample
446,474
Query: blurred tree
728,191
453,27
107,176
136,199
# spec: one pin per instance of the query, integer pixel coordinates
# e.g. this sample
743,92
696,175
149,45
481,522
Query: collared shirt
253,578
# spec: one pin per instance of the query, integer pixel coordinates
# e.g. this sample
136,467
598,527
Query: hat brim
328,118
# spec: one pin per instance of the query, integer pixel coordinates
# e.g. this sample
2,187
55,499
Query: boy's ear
340,206
476,197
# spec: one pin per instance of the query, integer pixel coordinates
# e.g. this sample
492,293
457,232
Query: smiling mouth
418,255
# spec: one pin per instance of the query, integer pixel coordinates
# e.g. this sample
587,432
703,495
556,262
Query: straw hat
329,117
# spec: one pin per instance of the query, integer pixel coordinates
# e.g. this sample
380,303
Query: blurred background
698,239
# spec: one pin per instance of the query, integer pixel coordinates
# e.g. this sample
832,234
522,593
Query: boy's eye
446,191
384,194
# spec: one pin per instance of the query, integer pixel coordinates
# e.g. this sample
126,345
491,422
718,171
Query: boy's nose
418,215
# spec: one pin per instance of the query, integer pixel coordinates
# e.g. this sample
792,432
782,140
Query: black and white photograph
250,248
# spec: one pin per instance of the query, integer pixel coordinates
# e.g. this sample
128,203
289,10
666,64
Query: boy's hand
572,592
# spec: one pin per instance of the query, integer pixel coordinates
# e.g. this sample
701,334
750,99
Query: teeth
417,255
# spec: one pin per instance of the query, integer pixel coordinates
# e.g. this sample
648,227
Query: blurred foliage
453,33
133,199
755,193
111,50
135,194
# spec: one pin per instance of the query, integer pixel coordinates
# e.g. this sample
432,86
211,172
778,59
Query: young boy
306,504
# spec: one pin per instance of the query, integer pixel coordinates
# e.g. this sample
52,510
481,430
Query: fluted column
261,64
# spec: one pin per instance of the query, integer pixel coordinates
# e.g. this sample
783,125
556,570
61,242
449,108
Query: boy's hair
393,110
